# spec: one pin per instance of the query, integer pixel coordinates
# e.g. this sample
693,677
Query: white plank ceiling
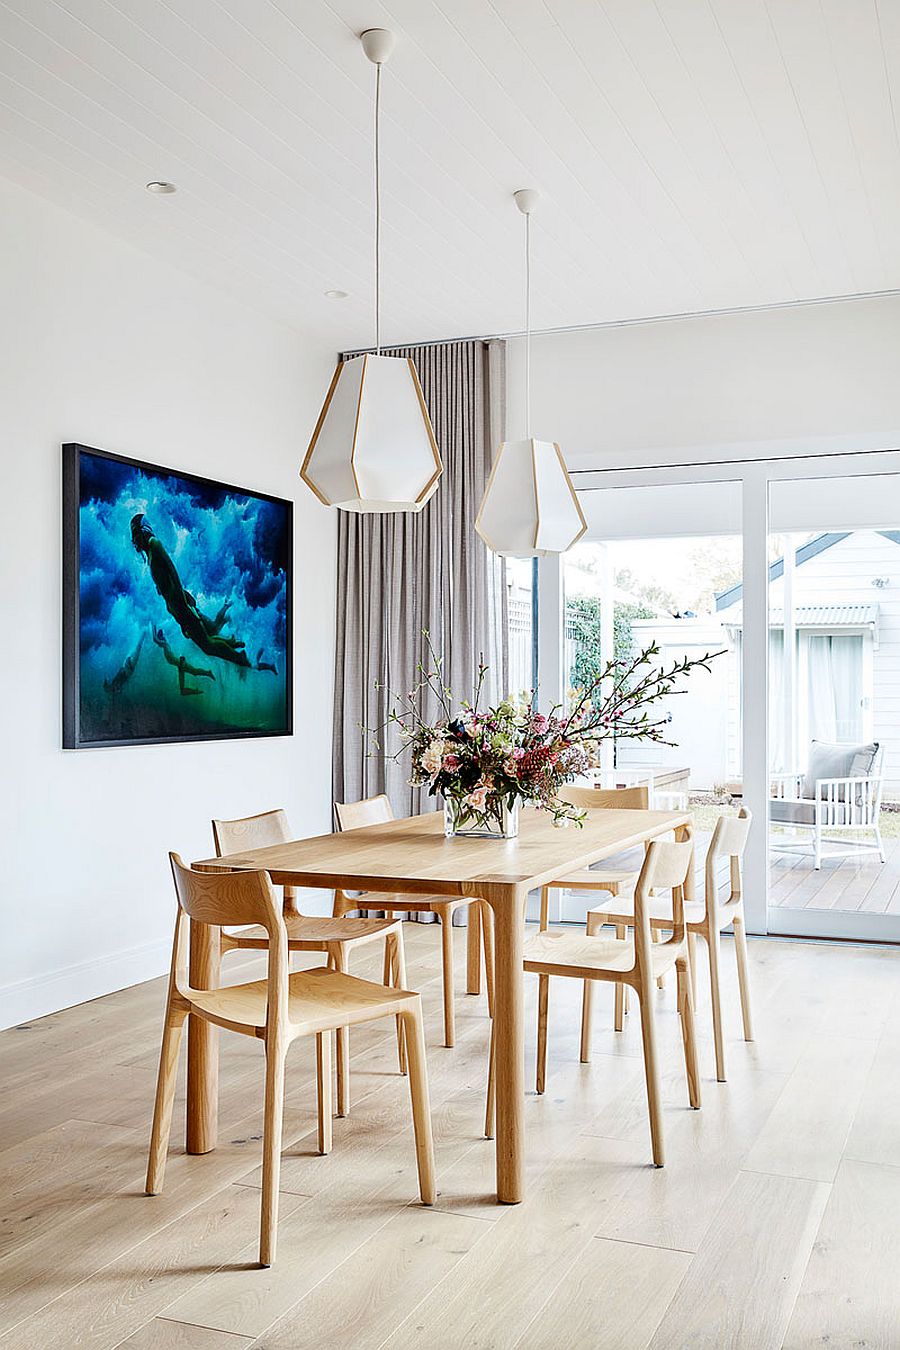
693,154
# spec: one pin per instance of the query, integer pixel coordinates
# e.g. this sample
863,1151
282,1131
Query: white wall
102,345
821,377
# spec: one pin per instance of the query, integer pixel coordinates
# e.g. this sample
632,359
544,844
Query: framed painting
177,605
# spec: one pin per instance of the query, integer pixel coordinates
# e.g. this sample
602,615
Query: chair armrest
843,782
850,801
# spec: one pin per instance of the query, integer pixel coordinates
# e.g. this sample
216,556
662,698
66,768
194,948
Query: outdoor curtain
401,575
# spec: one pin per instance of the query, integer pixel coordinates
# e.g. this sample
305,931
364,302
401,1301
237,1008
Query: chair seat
621,910
783,811
554,952
318,1000
595,879
314,931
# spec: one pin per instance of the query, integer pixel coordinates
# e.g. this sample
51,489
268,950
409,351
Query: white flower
433,757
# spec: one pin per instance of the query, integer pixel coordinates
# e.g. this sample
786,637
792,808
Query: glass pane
662,567
834,706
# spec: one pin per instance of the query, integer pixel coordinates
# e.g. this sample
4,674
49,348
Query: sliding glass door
791,568
834,706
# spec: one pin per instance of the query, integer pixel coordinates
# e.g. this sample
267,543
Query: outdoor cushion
784,812
837,761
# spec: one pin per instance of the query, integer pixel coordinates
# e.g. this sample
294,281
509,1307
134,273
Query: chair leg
879,843
165,1096
487,930
621,989
660,979
272,1130
342,1037
446,921
491,1092
543,1000
688,1032
473,949
651,1075
323,1086
421,1110
715,995
740,952
398,981
692,962
587,1001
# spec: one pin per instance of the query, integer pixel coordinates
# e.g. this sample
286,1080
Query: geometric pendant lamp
530,507
373,448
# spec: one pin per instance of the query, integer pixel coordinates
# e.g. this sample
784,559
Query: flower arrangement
483,762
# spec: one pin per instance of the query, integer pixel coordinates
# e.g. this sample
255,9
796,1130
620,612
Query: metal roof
816,616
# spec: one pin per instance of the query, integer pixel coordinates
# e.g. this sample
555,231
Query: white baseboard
57,989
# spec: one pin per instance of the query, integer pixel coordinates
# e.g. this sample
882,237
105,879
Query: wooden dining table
413,856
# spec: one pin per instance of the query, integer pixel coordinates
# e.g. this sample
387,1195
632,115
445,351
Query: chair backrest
666,867
729,839
369,811
622,799
233,836
229,898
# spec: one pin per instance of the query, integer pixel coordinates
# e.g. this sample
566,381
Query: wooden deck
861,884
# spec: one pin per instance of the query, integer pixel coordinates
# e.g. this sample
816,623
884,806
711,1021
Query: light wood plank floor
775,1223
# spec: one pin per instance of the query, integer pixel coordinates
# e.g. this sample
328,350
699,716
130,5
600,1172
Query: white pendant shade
530,507
373,448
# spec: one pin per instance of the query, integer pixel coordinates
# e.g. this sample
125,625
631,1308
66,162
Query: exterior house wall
844,574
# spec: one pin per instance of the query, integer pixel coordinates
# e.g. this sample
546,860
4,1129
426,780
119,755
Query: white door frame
755,474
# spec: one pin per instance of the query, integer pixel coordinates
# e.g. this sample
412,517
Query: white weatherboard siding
103,345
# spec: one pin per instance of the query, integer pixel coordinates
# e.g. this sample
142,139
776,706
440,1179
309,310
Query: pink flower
518,753
539,724
476,798
451,763
511,766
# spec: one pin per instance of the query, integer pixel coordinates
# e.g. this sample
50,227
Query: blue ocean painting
183,606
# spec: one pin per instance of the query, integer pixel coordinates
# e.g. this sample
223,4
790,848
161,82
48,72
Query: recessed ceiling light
161,187
336,295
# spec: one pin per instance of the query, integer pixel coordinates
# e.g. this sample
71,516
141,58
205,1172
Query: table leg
203,1045
508,904
473,951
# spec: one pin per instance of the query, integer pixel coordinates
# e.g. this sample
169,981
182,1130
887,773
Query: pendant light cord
377,210
527,324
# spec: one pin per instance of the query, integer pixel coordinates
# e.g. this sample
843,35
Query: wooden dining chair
706,918
277,1010
596,878
377,811
636,962
311,933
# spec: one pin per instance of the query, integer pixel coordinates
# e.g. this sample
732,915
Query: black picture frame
73,737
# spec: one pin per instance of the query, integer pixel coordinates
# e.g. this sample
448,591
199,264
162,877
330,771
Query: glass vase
462,819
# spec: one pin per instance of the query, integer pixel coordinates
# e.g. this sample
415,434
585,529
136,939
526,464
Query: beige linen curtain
400,574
